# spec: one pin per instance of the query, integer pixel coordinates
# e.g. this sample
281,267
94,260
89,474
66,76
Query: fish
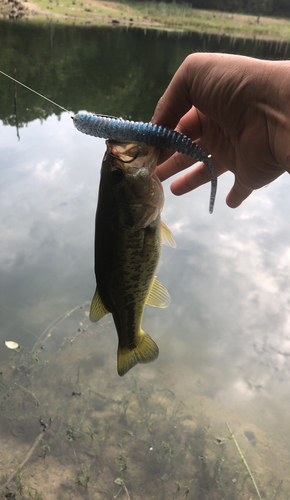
128,239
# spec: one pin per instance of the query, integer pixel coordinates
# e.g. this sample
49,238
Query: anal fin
98,309
158,295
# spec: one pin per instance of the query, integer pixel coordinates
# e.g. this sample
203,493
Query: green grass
158,15
184,17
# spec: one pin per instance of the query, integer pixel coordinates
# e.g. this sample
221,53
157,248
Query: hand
237,109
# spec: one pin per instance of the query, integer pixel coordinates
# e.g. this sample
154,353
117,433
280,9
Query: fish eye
116,175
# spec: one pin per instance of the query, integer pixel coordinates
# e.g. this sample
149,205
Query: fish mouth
134,155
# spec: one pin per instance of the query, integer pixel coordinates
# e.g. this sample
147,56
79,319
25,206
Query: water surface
72,426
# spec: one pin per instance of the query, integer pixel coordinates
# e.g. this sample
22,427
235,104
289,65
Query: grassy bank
154,15
239,25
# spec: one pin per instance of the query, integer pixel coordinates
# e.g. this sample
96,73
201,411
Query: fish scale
121,130
128,244
134,295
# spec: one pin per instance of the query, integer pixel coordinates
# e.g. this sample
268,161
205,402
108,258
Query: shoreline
168,17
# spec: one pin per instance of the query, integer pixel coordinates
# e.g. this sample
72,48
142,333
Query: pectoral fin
158,295
167,236
98,310
145,352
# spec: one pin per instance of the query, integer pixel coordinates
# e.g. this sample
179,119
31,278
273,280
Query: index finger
175,101
190,126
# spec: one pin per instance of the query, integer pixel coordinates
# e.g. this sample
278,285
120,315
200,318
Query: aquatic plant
45,448
121,483
83,476
135,436
19,481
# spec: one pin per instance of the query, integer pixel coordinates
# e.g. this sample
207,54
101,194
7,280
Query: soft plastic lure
117,129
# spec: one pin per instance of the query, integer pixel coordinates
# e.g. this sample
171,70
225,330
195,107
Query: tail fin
145,352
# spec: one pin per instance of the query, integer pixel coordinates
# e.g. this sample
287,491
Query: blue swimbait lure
117,129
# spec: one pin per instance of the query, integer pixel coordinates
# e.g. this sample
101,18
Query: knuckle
204,173
181,162
160,104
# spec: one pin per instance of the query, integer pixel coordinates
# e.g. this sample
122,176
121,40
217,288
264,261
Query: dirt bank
96,12
175,17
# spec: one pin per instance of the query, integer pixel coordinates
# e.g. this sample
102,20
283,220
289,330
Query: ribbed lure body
117,129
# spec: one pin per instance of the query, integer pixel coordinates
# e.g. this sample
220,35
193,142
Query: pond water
69,426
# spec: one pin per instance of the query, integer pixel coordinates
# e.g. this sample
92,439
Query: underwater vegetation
70,430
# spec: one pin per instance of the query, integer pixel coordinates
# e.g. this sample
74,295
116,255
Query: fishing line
37,93
117,129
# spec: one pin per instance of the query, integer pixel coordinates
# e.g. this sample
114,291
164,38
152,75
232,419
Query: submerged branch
51,327
244,460
36,442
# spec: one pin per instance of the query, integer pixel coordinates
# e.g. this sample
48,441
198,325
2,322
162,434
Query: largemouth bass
128,240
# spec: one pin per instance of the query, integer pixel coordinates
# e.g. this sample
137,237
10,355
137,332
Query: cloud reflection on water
229,282
228,278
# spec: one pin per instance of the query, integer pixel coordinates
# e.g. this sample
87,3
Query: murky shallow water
68,423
